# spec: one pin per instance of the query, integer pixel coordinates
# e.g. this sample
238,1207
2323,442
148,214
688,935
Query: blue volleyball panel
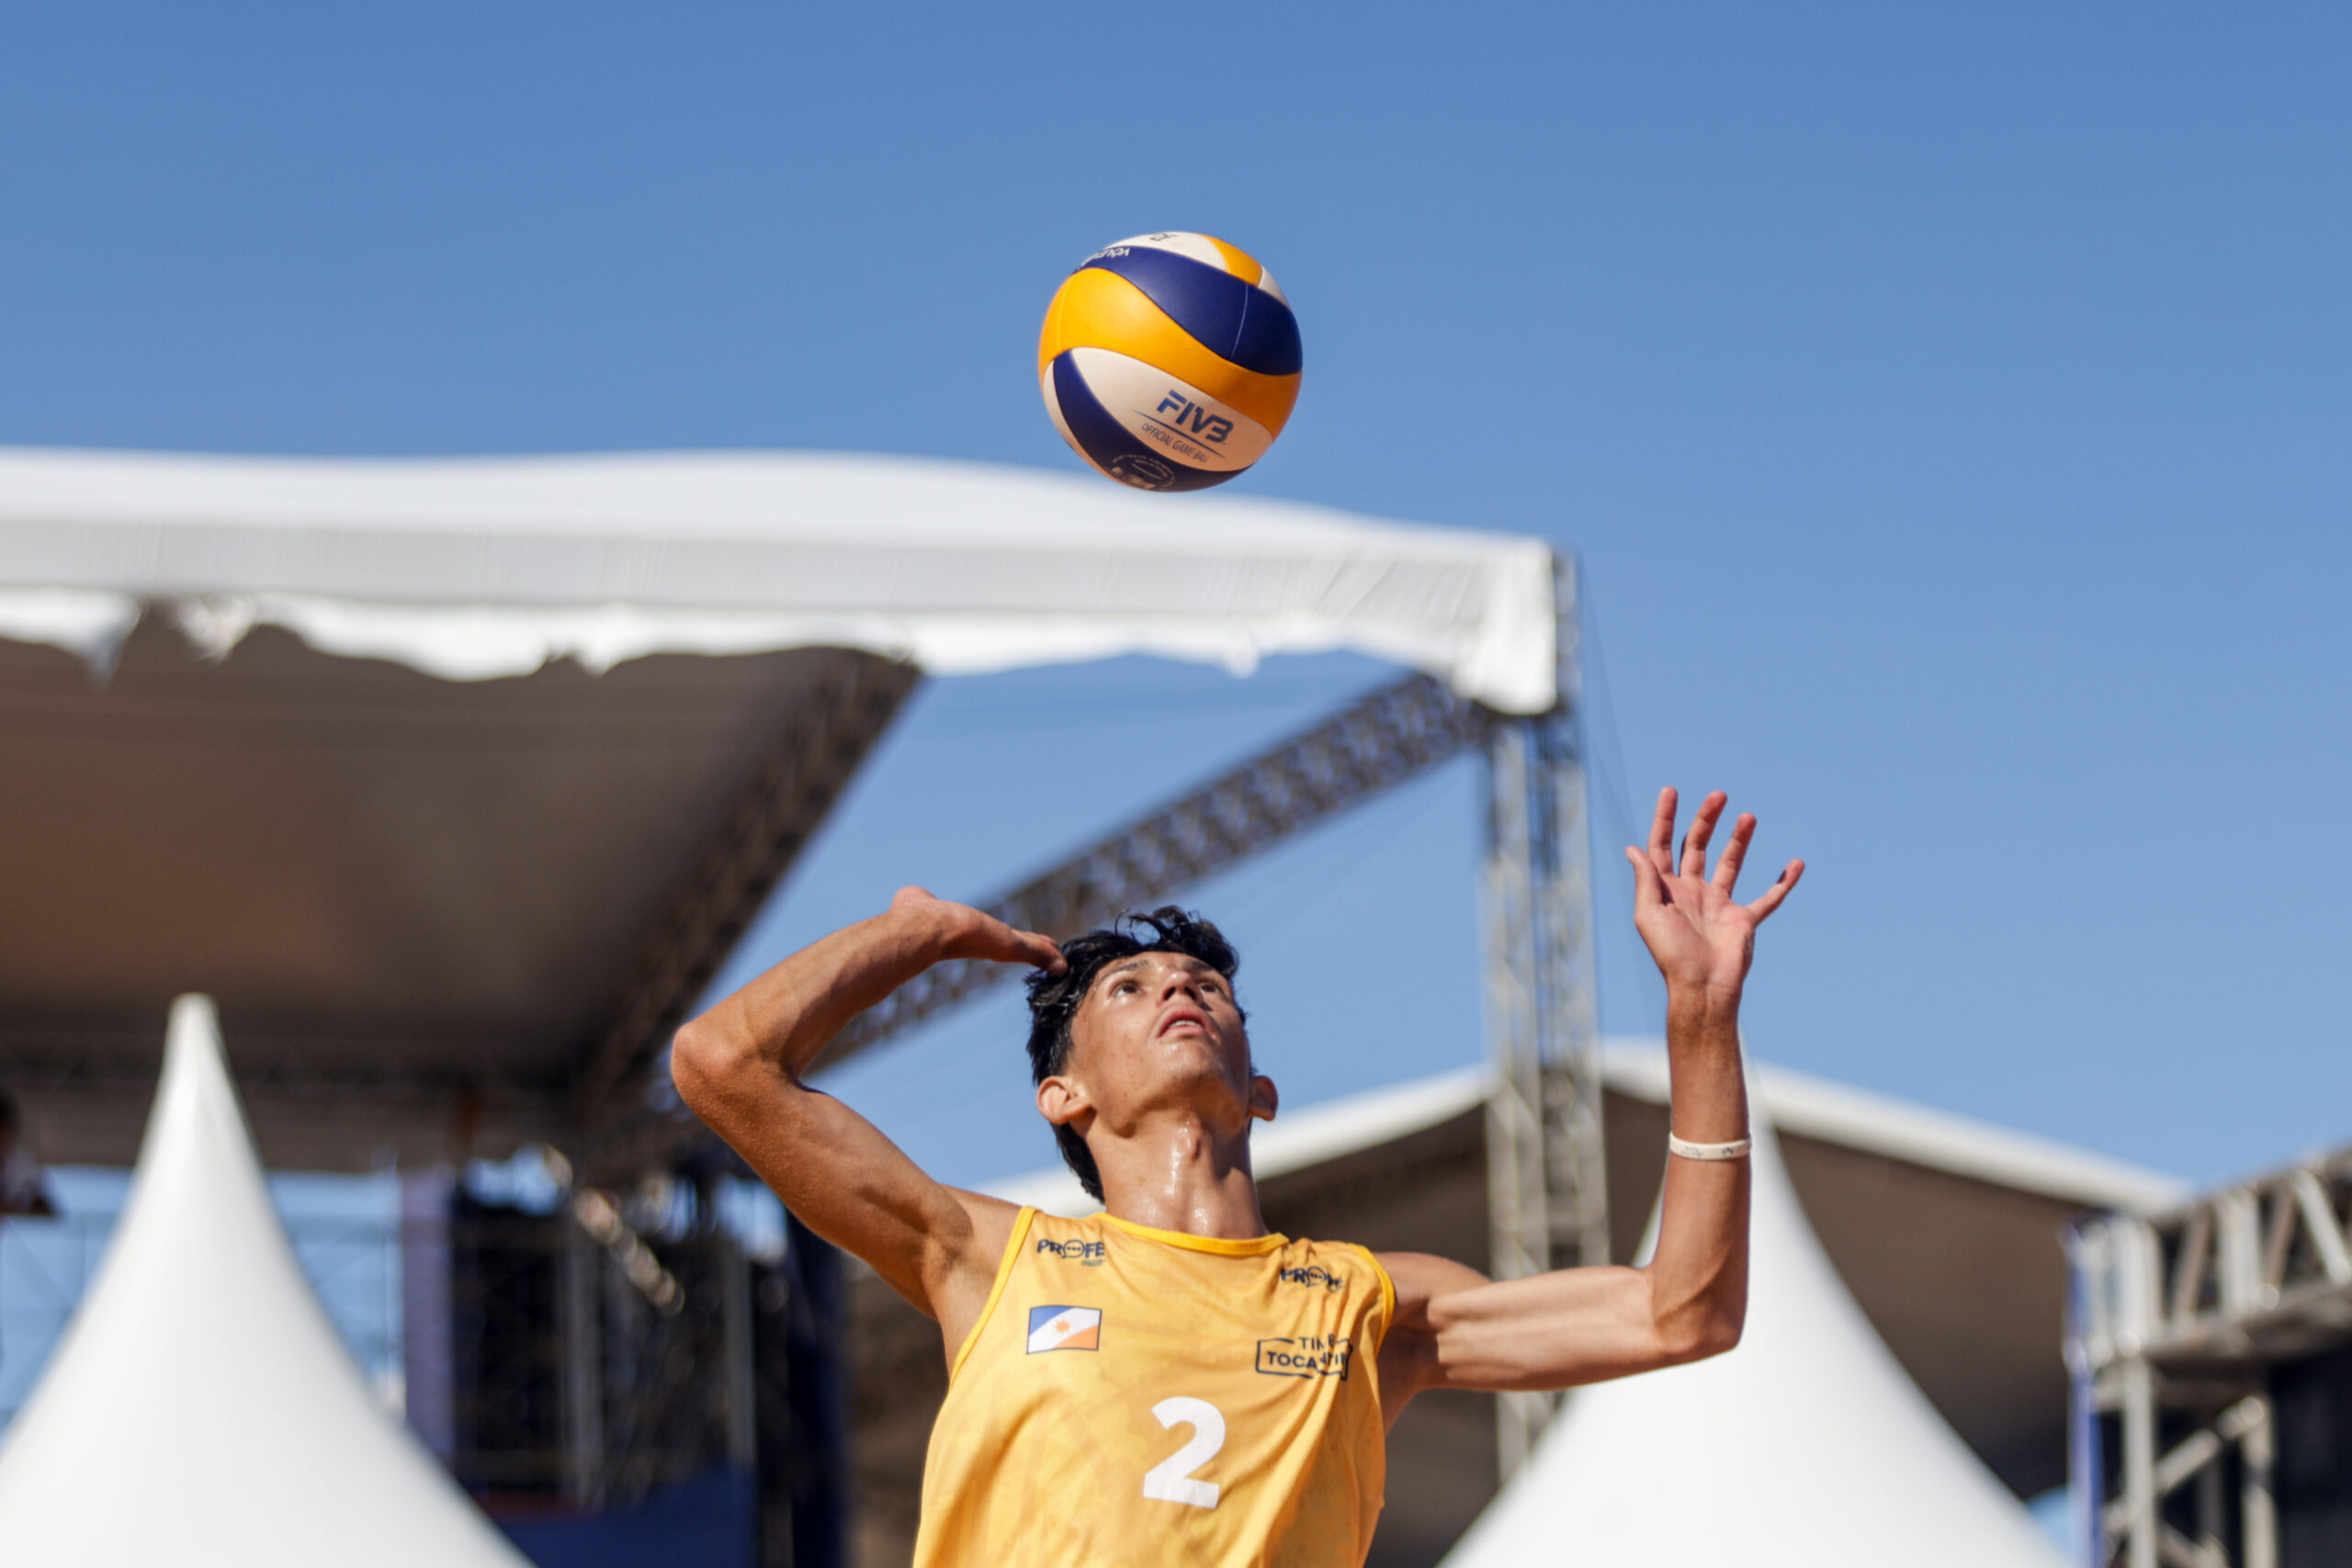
1107,445
1244,324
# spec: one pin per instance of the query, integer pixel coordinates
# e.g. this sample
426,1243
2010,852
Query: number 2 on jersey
1171,1479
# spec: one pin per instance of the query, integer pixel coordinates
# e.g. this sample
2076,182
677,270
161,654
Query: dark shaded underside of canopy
422,905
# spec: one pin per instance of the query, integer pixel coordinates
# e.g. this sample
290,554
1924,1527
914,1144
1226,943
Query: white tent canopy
1798,1102
200,1411
1805,1446
471,569
454,779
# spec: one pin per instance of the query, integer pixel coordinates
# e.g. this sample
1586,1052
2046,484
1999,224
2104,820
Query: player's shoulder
1336,1266
1345,1254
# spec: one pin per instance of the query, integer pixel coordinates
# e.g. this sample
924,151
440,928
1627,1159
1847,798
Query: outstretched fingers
1662,832
1782,886
1734,853
1664,863
1703,828
1649,887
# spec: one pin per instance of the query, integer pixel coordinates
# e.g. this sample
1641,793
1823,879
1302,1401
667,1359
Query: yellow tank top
1132,1395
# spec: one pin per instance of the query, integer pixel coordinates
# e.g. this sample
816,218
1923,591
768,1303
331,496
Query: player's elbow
1720,1333
1699,1330
702,1061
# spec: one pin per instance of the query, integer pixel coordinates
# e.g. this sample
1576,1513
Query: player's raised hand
1696,931
966,932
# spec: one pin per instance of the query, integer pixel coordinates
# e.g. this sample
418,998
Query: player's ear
1061,1101
1263,1099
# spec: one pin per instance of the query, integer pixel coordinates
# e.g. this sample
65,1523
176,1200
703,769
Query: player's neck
1180,1177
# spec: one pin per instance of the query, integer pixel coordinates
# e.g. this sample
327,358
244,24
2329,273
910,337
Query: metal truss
2178,1320
588,1361
323,1102
810,764
1393,735
119,1066
1546,1171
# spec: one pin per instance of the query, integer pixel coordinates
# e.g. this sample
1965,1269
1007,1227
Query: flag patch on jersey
1064,1328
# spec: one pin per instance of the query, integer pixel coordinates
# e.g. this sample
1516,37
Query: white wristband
1737,1149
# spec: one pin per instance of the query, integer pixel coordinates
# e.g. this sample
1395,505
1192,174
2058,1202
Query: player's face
1161,1024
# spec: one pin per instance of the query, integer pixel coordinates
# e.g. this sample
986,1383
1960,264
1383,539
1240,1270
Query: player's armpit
1409,1350
1455,1328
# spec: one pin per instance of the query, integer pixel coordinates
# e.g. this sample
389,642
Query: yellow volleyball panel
1094,309
1238,262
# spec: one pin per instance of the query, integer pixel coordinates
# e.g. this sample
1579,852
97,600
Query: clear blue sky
1952,407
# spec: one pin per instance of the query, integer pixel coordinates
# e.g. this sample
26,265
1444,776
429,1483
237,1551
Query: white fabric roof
468,569
1798,1101
200,1411
1900,1129
1805,1448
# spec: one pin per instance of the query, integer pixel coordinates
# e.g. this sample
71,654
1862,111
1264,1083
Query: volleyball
1169,361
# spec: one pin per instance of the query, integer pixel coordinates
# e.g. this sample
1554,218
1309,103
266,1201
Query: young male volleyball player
1167,1382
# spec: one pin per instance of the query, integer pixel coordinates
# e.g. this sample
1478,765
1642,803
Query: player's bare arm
739,1067
1457,1329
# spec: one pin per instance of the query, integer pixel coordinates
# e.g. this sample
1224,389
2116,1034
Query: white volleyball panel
1172,417
1197,247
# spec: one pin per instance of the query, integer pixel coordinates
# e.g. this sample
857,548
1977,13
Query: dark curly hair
1054,998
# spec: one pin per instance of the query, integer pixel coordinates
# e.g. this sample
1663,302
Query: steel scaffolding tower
2195,1333
1547,1199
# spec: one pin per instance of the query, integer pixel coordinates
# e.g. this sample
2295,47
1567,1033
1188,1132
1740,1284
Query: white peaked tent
201,1412
1805,1448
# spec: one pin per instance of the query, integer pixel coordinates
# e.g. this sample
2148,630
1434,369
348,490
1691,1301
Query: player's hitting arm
738,1067
1456,1329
